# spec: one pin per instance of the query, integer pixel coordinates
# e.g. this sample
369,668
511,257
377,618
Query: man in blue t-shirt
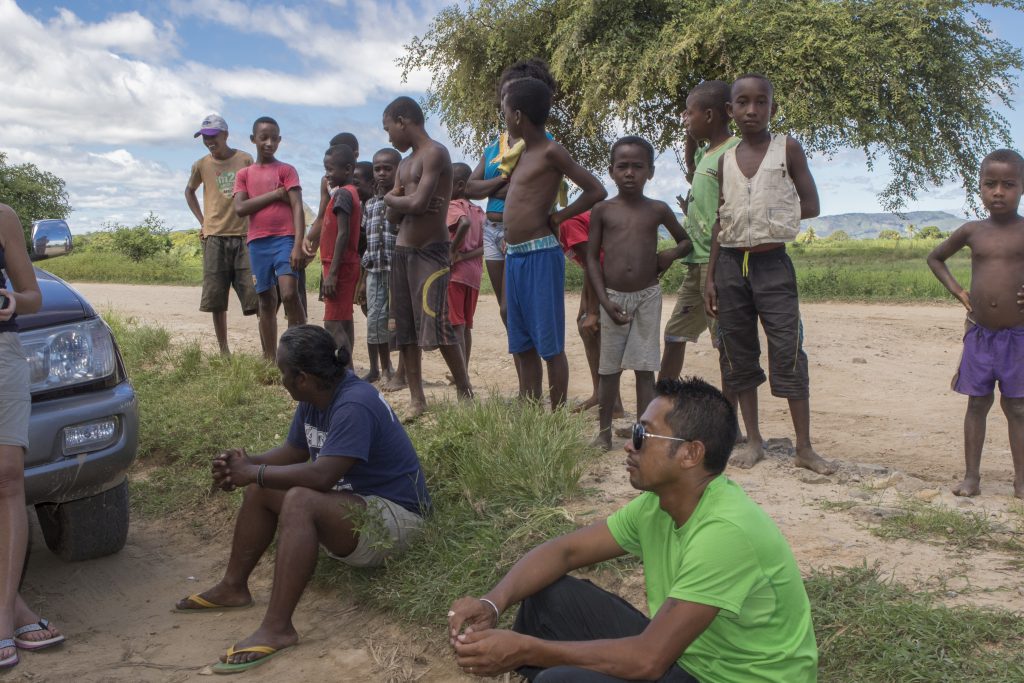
347,478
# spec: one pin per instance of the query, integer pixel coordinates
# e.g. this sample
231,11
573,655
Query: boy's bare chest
749,159
998,245
532,170
630,227
411,172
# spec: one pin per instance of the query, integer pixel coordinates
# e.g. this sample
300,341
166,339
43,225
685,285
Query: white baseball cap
211,125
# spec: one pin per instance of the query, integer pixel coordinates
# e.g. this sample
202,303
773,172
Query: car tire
87,528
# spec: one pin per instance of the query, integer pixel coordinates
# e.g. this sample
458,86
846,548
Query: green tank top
703,208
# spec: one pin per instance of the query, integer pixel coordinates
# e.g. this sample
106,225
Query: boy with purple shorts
994,336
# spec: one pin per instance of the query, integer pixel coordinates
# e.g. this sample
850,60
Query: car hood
61,304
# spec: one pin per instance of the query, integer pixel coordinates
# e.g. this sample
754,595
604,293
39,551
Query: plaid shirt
380,236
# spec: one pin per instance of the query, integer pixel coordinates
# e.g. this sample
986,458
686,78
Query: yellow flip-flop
205,605
228,668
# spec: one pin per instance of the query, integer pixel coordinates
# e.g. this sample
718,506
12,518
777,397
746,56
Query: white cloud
65,82
129,33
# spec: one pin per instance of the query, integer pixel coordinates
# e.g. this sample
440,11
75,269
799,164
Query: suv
83,433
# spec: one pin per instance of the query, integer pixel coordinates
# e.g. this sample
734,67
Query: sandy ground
880,405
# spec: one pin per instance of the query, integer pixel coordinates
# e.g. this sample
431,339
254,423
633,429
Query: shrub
143,241
889,234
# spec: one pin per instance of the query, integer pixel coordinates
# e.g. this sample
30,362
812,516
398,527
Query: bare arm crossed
592,189
937,262
683,244
424,200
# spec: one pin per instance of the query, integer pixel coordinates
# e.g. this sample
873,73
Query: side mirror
50,238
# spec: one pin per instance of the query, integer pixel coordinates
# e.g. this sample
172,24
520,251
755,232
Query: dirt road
880,399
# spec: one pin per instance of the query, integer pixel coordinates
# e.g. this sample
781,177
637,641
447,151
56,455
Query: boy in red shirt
339,245
466,227
268,192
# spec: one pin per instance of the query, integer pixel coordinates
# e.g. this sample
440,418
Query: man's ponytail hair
311,349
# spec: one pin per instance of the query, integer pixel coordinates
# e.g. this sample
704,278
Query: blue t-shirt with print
360,424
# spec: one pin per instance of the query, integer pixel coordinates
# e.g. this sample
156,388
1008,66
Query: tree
143,241
930,232
913,83
838,236
889,234
808,236
32,193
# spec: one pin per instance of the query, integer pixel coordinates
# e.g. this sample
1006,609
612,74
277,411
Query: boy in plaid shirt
380,246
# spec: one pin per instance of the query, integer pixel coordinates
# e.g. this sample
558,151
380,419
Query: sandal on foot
204,605
228,668
41,625
13,659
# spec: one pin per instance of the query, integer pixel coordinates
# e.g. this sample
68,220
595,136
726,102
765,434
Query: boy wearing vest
766,189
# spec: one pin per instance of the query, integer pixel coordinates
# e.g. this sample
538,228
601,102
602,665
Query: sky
107,95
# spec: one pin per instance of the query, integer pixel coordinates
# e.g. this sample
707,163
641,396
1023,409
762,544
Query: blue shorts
270,258
535,293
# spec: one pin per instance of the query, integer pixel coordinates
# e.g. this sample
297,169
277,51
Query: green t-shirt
703,208
729,555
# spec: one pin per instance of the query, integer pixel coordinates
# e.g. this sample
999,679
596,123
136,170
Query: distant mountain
868,225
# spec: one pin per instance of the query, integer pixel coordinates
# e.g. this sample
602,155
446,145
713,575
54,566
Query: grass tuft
962,529
870,629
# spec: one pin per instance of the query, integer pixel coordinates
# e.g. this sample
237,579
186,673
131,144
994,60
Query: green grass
962,529
870,629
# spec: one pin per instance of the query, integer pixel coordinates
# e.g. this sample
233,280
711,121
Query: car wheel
87,528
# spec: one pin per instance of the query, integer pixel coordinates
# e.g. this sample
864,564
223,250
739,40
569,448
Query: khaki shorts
15,401
633,346
688,319
226,265
389,530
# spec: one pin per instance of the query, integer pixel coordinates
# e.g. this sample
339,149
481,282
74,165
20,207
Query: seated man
347,478
726,598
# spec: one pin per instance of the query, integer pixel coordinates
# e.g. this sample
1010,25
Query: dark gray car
83,434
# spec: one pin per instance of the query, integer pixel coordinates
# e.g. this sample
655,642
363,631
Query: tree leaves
913,82
32,193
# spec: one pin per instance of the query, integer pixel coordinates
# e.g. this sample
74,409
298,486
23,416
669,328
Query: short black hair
345,139
1004,156
395,155
634,140
531,96
528,68
311,349
366,168
341,154
460,171
265,119
406,108
755,76
701,413
712,95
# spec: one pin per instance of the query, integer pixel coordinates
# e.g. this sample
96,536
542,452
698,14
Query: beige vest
762,209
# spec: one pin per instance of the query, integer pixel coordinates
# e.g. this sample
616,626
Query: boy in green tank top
707,125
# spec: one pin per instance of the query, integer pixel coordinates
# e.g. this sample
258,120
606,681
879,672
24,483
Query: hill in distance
868,225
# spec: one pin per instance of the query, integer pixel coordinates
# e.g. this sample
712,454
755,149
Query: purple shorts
990,356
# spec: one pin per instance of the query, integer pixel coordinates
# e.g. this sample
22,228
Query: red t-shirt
274,220
341,201
575,231
470,271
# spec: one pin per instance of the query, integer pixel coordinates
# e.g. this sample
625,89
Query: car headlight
65,356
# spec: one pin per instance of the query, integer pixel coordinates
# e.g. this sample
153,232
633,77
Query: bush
889,234
143,241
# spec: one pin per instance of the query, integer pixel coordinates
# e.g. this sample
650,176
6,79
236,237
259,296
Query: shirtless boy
421,267
625,228
534,264
766,189
994,338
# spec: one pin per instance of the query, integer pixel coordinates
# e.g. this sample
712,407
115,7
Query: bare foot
586,405
971,486
414,413
603,440
809,460
741,438
746,458
372,376
394,384
220,594
262,636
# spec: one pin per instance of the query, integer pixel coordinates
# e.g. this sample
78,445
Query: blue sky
108,94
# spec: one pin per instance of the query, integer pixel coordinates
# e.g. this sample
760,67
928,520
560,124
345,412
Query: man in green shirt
727,598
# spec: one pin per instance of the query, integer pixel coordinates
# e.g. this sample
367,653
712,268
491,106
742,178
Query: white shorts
494,240
388,530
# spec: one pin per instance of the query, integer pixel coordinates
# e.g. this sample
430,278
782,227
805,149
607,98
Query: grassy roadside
863,270
500,474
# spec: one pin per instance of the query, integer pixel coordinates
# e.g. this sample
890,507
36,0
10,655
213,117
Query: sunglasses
640,433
